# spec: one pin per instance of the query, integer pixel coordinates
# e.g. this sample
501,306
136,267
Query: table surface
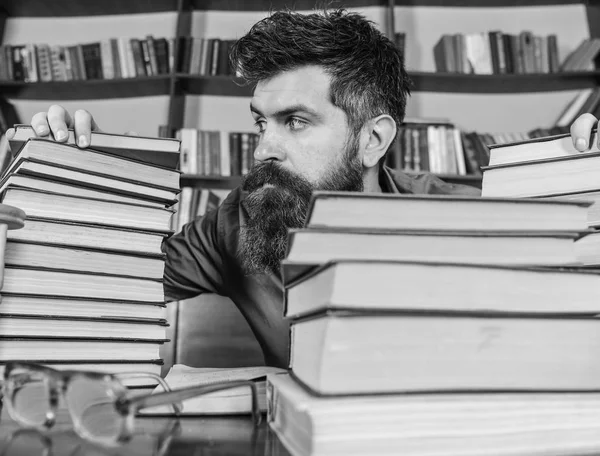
189,436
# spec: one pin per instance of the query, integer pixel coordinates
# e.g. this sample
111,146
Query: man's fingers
39,122
84,125
59,121
10,133
581,131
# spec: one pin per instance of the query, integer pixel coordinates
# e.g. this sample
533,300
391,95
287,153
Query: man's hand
581,131
54,124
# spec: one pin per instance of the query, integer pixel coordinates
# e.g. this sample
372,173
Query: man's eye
260,126
296,124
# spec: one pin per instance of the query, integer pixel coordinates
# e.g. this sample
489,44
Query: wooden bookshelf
67,8
88,89
504,83
231,86
203,181
490,3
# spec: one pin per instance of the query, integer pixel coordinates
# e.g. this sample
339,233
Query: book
60,232
441,424
113,367
544,177
311,247
158,151
46,256
42,282
70,326
96,162
399,352
593,197
227,402
588,250
46,176
51,350
554,146
66,306
49,205
442,287
443,212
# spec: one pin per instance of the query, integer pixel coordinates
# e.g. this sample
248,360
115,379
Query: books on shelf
194,202
85,275
501,423
495,52
587,100
216,153
583,57
231,401
111,58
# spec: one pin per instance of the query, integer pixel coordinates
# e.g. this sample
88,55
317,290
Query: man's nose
269,149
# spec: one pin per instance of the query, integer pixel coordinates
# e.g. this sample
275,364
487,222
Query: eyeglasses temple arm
170,397
157,378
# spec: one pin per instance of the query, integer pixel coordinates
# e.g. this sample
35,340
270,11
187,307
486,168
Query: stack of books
550,168
83,278
434,325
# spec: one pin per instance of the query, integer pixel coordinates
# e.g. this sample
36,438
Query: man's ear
381,132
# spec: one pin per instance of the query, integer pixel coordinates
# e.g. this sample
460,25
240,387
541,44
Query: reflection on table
206,436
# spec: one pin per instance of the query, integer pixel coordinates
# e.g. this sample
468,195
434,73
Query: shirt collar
386,181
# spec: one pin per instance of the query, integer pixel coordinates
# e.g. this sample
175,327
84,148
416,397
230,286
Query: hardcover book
159,151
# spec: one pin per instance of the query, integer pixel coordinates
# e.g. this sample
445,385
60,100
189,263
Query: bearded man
330,91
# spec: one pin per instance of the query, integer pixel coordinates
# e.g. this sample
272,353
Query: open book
227,402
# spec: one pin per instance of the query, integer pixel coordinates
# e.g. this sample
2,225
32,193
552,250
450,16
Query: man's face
305,145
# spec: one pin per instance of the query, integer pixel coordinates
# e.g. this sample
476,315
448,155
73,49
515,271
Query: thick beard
278,200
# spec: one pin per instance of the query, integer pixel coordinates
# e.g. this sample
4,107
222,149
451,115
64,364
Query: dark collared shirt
202,259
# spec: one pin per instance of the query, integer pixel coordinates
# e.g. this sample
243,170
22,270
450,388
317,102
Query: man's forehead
307,86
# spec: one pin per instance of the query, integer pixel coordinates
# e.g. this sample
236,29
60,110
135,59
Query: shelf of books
490,3
230,182
87,89
65,8
207,181
41,8
223,85
503,83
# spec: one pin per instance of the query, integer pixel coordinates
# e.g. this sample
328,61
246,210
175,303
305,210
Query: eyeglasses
100,406
34,442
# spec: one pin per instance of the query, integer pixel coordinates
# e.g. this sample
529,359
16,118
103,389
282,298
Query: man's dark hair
368,77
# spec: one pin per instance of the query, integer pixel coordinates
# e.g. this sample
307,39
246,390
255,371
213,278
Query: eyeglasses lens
30,396
92,405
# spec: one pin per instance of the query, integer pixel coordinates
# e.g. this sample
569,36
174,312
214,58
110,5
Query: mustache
273,174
